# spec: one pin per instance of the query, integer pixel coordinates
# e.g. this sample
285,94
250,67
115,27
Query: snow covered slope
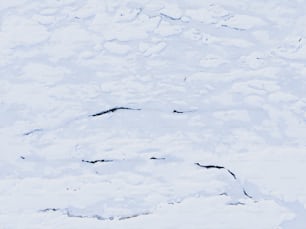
153,114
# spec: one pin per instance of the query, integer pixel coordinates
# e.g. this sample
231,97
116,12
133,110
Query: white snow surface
220,83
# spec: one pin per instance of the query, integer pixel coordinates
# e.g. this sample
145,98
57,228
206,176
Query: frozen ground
215,134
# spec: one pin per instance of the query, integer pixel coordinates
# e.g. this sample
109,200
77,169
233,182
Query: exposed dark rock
158,158
182,112
97,161
178,112
217,167
229,171
113,110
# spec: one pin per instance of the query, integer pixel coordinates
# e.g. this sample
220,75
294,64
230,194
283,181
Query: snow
133,114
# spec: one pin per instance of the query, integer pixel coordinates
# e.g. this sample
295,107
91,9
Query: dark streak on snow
175,202
98,217
234,28
223,194
97,161
169,17
236,203
157,158
113,110
50,210
182,112
178,112
246,194
134,216
32,131
229,171
217,167
139,11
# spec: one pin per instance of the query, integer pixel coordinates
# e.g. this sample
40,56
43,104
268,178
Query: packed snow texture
153,114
